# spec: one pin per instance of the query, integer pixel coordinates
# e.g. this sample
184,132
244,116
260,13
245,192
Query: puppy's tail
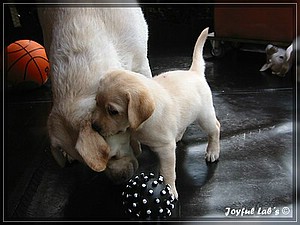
198,64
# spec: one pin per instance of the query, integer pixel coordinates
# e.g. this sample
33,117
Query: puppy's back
180,82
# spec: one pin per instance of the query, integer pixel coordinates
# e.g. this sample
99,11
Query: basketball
27,64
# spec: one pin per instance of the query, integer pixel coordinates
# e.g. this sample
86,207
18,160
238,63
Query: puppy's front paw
175,195
173,191
212,156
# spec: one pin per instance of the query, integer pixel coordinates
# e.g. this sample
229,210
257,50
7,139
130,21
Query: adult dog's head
122,102
72,135
70,121
71,132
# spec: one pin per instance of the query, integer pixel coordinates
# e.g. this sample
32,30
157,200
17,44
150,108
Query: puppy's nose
96,127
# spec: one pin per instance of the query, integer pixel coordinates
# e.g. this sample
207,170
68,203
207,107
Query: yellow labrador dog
157,111
82,44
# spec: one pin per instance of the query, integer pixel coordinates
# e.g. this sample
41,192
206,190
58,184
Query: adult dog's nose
96,127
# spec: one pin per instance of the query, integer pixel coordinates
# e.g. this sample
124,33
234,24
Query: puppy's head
123,102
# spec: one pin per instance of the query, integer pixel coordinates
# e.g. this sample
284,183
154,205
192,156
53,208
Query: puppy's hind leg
211,126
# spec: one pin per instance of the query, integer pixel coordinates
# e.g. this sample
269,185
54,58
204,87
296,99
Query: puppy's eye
112,111
281,57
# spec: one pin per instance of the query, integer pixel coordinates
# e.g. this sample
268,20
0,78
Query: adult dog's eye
112,111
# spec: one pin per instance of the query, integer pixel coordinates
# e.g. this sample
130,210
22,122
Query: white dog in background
279,60
82,45
157,111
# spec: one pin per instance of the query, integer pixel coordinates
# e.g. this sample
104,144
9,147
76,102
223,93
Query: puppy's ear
140,107
92,147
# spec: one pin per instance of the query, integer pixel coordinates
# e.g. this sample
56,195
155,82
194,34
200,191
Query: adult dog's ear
92,148
140,107
271,49
266,66
289,52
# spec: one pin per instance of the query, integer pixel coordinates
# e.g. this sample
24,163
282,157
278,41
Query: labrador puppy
157,111
82,44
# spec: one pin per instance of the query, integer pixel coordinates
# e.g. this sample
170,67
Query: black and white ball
147,197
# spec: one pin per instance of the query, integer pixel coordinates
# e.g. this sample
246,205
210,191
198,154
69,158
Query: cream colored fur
157,111
82,45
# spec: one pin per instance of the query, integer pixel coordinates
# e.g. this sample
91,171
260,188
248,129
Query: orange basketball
27,64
